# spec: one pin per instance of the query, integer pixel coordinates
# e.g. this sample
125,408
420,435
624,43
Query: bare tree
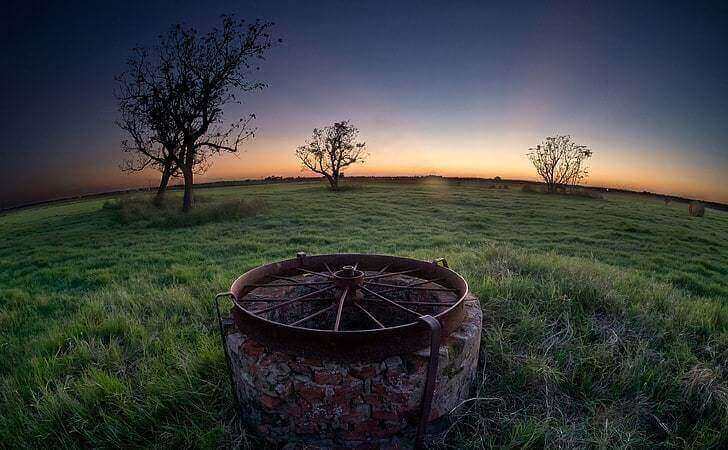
331,149
183,84
560,161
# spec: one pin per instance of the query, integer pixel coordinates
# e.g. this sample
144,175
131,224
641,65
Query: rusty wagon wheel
347,305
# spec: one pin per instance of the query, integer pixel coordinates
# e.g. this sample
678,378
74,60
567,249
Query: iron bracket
225,323
442,261
301,256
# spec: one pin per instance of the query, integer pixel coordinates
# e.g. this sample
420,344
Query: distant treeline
393,179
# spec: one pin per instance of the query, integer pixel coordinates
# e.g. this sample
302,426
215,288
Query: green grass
605,320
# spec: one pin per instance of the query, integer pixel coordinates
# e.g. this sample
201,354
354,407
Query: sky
449,88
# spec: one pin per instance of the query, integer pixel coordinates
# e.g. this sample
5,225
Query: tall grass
577,354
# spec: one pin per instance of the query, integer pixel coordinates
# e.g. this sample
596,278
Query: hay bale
696,209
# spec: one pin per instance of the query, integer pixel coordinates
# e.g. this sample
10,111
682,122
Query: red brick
363,372
381,414
269,402
373,399
299,368
252,348
379,388
347,391
323,376
308,391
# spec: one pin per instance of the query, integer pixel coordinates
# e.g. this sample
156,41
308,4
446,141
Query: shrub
531,188
696,209
140,210
572,191
587,193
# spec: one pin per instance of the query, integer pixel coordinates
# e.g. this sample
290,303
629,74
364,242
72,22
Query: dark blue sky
458,88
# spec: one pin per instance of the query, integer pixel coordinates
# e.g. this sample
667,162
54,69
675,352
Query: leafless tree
560,161
181,87
331,149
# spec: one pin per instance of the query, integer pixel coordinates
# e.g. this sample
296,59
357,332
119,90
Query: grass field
606,321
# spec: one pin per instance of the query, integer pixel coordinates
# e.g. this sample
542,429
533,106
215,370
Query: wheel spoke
311,316
311,283
392,302
391,274
292,280
328,268
370,315
419,283
341,308
399,286
414,303
280,300
297,299
316,273
384,269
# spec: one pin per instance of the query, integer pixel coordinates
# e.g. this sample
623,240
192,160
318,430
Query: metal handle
222,325
426,405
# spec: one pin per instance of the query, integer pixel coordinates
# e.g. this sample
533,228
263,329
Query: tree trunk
333,182
166,174
187,198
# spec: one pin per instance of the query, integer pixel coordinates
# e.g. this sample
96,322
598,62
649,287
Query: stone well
313,401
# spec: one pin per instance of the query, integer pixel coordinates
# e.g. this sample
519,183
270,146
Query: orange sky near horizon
658,171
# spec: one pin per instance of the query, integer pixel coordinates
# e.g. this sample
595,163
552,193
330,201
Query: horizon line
273,179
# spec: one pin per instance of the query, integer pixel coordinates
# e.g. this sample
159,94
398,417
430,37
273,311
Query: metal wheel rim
349,343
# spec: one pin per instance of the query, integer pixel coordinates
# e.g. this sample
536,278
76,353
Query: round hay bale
696,209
